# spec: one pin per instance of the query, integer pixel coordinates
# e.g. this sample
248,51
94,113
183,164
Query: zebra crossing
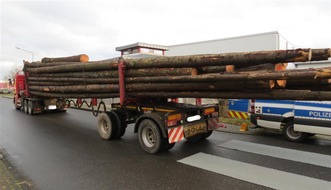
268,177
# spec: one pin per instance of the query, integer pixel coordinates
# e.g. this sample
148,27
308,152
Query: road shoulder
11,177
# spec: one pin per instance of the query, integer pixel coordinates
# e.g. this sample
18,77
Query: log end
310,54
194,72
271,84
84,58
229,69
281,83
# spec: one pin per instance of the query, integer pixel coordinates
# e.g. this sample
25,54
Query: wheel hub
149,137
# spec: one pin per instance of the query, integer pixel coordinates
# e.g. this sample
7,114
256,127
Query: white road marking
255,174
278,152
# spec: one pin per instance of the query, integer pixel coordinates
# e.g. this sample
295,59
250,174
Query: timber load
246,75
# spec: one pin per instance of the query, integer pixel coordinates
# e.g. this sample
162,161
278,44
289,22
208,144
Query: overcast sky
62,28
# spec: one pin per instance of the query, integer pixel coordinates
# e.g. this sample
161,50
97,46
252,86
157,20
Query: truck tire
199,137
26,106
17,107
170,146
107,126
30,107
292,135
150,138
121,122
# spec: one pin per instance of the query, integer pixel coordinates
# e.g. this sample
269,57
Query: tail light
209,110
251,106
173,119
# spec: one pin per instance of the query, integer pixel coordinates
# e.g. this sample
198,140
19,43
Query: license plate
192,130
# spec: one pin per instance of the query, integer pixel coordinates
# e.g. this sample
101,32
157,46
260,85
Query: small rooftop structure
142,48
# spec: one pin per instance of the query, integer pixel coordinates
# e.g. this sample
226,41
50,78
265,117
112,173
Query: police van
297,119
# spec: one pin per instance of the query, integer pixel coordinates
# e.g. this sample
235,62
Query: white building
254,42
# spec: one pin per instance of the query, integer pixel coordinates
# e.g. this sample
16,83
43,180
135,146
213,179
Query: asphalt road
64,151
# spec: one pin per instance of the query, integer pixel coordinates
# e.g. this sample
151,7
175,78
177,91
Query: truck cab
33,104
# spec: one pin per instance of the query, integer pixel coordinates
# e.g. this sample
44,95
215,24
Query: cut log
78,95
255,68
150,87
245,58
128,73
268,75
212,69
320,54
76,58
81,80
79,67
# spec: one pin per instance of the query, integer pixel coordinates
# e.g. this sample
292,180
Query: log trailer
159,123
145,85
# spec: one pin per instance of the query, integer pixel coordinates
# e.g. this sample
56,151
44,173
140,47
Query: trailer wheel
292,135
150,137
122,122
206,135
195,138
107,126
26,106
170,146
199,137
30,107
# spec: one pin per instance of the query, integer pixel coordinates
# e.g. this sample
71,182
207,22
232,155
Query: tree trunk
77,67
310,74
76,58
320,54
78,95
81,80
242,58
128,73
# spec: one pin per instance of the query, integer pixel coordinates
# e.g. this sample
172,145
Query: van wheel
292,135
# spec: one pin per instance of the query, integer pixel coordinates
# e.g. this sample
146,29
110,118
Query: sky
58,28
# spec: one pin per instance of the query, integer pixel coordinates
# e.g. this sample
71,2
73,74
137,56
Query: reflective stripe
175,134
236,114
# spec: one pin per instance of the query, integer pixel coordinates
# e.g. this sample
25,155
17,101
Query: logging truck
145,85
159,123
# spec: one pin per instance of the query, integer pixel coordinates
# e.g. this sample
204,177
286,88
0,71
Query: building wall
255,42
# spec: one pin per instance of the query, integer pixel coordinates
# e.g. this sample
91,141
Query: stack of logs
251,75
